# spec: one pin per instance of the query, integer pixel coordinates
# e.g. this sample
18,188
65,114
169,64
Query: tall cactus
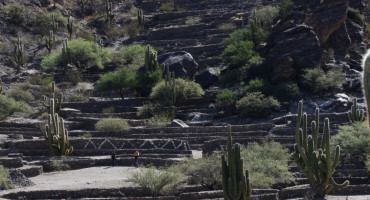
140,17
98,41
56,101
356,114
56,135
366,82
316,162
109,11
235,184
54,24
50,41
70,26
170,90
151,62
1,86
19,55
65,52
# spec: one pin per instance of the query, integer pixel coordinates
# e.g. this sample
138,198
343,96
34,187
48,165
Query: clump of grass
114,125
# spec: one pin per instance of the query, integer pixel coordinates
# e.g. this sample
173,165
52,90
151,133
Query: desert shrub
149,109
356,16
321,82
287,92
133,56
232,77
156,181
225,99
114,125
285,8
267,163
168,6
86,135
146,81
82,54
74,77
191,20
133,29
117,81
237,36
42,23
77,98
353,140
205,171
60,165
255,85
5,183
256,104
185,89
227,27
238,54
19,95
14,14
266,16
109,110
159,120
9,106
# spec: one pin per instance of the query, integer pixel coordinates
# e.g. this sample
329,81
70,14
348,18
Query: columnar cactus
356,114
366,84
316,162
109,11
54,24
1,86
19,55
70,26
151,62
65,51
50,41
235,184
140,17
56,135
56,101
170,90
98,41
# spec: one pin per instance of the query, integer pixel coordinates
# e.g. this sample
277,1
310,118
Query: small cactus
356,114
50,41
109,11
54,24
170,90
56,101
151,62
141,17
1,86
236,185
70,26
19,55
99,42
56,135
316,162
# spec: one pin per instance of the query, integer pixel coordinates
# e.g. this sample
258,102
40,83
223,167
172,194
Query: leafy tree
238,54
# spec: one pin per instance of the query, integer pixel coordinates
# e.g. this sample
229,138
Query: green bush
157,181
287,92
43,22
225,99
239,53
353,140
108,110
19,95
116,81
256,104
159,120
226,27
266,16
149,109
255,85
5,183
59,165
146,81
77,98
267,164
114,125
132,56
321,82
237,36
9,106
205,171
185,89
285,8
192,20
82,54
168,6
14,14
232,77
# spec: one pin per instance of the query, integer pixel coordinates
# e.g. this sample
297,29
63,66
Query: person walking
113,158
136,155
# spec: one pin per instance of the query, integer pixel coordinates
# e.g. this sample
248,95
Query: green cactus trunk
316,162
56,101
235,184
70,27
170,87
56,135
19,55
366,82
356,114
50,41
151,61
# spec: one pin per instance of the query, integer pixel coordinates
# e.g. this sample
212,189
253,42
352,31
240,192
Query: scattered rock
18,179
207,77
178,123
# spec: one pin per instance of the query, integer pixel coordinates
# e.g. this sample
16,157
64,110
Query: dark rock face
207,77
355,32
182,63
296,45
340,39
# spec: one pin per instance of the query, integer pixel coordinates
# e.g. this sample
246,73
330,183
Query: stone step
31,170
265,194
88,123
11,162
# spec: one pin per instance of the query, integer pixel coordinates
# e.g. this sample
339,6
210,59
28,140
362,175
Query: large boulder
293,45
207,77
182,63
